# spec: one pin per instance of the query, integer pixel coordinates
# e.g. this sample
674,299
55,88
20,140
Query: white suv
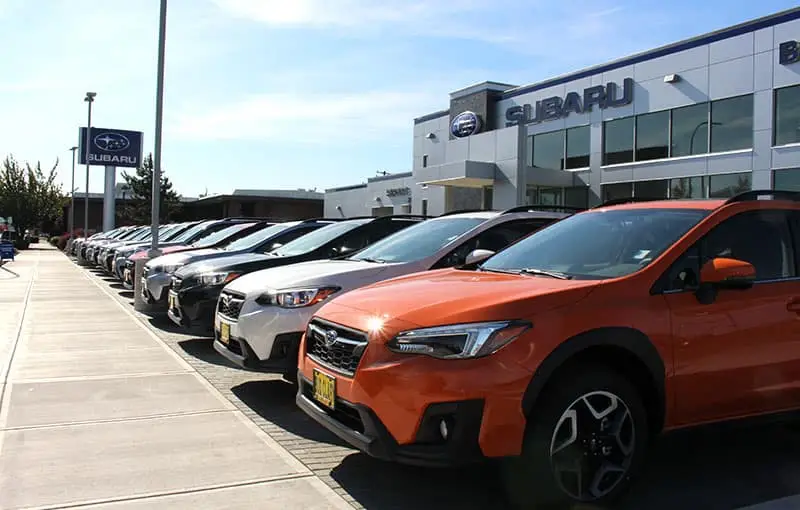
261,316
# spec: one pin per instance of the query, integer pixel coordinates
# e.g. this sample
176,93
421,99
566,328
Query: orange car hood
452,296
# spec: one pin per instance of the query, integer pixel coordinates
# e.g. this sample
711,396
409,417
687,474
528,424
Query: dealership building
706,117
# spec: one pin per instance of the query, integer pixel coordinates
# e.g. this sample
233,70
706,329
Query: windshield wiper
542,272
370,259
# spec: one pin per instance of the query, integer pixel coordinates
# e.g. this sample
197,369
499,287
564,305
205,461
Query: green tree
29,195
140,190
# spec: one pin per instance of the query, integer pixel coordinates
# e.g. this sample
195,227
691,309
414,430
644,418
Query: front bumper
359,426
193,307
156,286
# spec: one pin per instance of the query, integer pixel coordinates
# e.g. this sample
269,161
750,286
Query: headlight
213,279
459,341
297,298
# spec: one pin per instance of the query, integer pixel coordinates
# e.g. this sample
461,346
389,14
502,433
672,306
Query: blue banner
111,147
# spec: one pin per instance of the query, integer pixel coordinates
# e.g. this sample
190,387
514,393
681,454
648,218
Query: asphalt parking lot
712,468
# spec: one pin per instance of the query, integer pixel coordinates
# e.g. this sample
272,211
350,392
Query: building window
651,189
732,124
616,191
788,179
424,161
728,185
548,150
248,209
689,130
787,115
424,207
488,194
618,141
578,147
652,136
576,197
687,187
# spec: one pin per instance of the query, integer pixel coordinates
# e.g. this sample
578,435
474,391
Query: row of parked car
562,341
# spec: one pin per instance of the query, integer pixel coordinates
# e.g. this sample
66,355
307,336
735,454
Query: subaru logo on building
330,338
112,142
465,124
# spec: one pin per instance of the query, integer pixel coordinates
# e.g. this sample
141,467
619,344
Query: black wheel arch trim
630,339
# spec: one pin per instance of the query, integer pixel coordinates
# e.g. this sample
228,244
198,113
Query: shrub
53,240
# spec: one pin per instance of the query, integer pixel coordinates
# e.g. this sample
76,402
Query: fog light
443,430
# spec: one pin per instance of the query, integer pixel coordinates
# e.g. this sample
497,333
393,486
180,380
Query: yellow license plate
126,275
324,389
224,333
173,301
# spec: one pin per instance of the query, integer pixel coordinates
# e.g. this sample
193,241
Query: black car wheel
585,440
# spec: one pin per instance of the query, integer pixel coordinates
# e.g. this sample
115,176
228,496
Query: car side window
287,237
762,238
494,238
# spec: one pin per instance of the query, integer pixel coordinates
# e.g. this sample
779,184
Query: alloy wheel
592,445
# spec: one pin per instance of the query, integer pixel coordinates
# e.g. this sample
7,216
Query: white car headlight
458,341
297,298
216,278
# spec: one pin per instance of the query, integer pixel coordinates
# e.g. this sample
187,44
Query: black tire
530,479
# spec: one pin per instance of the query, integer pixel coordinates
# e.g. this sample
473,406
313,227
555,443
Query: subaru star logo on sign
465,124
112,147
111,142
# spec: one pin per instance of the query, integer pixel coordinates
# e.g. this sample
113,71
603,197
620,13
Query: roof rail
626,200
765,194
464,211
402,216
247,218
542,207
309,220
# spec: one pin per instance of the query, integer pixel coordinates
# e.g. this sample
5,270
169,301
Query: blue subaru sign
112,147
6,251
465,124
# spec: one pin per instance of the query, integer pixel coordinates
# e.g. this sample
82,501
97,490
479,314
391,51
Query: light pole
87,143
72,197
694,133
156,194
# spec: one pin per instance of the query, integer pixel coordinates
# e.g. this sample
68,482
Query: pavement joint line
154,495
115,420
72,378
7,375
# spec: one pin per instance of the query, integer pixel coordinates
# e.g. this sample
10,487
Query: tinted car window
318,238
495,239
191,233
212,239
418,241
256,237
288,237
597,245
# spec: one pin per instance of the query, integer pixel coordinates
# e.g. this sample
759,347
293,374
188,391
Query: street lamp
72,197
156,194
87,143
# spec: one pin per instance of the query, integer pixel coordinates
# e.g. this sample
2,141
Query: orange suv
569,351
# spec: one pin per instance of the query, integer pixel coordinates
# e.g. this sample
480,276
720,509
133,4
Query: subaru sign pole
86,147
72,197
156,195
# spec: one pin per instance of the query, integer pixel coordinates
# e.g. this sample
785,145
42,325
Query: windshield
220,235
418,241
170,232
251,240
598,245
189,234
317,238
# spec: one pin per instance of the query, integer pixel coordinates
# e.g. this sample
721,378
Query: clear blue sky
298,93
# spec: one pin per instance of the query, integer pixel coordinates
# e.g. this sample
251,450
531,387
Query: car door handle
793,306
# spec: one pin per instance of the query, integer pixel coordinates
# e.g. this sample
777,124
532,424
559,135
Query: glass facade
576,196
680,132
787,116
713,186
787,179
560,150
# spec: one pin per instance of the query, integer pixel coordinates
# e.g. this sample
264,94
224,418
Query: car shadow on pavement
713,468
273,400
376,484
203,349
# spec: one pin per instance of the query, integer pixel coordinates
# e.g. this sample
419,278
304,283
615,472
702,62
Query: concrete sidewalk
96,410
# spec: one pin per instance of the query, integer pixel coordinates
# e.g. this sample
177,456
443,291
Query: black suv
196,287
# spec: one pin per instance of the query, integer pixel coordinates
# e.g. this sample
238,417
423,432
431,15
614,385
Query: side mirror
728,273
723,273
275,246
476,256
